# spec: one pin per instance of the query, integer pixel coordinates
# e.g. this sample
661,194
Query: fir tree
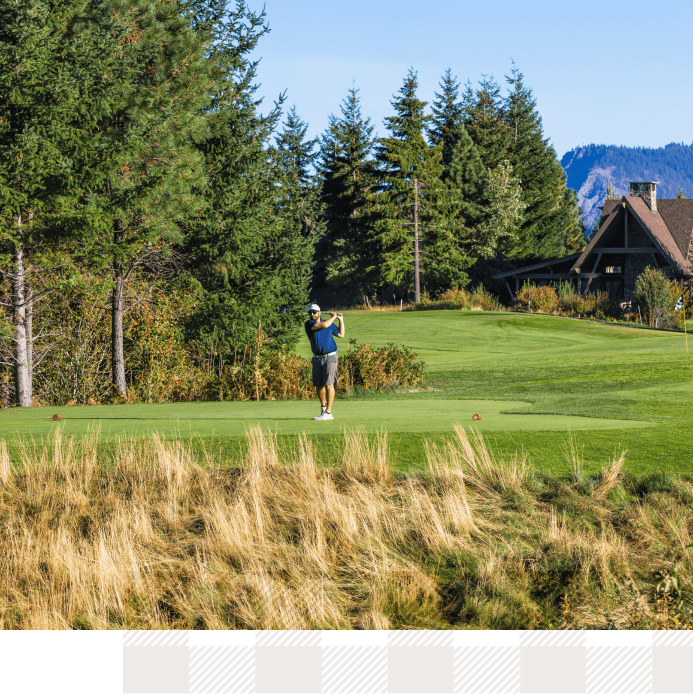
157,112
417,216
485,122
346,170
249,258
467,177
549,216
447,117
55,59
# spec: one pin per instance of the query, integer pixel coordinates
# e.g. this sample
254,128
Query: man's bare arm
320,325
341,332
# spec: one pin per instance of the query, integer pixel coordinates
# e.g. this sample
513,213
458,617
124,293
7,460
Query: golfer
321,335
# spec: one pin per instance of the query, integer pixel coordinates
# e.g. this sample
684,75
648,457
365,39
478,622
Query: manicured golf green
535,380
224,419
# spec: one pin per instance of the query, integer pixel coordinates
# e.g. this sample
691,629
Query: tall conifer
56,59
346,171
447,113
485,122
550,214
417,221
248,258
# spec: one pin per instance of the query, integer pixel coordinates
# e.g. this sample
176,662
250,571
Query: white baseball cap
314,307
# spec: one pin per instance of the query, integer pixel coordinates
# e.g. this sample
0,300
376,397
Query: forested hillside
589,167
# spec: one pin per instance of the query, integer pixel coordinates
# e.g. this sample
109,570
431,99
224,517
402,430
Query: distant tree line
148,208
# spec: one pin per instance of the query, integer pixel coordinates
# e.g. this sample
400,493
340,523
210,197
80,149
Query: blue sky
603,72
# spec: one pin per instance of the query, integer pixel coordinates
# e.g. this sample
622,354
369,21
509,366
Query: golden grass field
150,535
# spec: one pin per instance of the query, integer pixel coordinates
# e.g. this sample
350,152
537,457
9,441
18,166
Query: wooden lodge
636,231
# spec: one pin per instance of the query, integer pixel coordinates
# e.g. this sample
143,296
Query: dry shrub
376,368
479,299
537,299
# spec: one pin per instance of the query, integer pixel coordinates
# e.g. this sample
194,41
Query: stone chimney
647,190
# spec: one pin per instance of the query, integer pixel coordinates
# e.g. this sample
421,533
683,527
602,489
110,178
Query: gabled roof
678,216
672,244
655,224
609,213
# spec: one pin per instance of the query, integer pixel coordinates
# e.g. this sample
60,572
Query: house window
613,270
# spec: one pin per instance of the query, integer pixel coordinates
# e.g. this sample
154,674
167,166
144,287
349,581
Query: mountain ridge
589,166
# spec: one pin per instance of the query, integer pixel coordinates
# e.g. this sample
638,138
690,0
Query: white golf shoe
324,416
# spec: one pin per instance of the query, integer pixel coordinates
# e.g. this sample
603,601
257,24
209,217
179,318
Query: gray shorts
324,371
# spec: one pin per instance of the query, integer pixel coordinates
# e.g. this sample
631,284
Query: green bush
656,295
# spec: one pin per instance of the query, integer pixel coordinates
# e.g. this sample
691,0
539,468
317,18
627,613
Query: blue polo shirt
321,341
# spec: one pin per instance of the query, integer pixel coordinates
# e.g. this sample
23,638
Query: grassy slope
558,366
551,373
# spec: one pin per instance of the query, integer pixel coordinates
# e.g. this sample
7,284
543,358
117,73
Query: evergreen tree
346,170
485,122
549,216
447,117
417,216
505,209
56,59
467,176
249,257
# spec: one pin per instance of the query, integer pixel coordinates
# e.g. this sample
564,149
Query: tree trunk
117,352
22,380
30,335
417,279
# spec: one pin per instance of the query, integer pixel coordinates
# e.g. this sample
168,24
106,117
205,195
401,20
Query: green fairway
535,380
224,419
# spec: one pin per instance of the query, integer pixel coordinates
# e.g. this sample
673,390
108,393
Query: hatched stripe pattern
487,669
354,669
673,639
221,669
155,638
420,638
553,638
619,670
289,638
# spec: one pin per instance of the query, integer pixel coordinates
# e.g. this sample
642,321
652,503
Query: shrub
482,299
657,295
369,367
454,297
537,299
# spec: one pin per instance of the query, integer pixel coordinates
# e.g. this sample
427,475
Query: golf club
304,310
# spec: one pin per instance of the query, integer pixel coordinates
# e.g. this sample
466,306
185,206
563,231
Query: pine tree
248,257
549,215
54,61
346,172
157,112
468,177
485,122
417,216
447,117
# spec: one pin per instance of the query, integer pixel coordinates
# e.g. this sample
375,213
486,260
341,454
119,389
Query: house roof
678,216
674,241
656,225
536,265
609,213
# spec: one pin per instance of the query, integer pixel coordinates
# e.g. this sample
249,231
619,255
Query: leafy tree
417,215
550,215
505,211
56,61
249,250
447,117
346,172
680,194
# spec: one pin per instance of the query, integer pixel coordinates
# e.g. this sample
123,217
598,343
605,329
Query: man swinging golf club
321,335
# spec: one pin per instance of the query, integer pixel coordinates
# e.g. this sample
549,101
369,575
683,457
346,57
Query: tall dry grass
150,535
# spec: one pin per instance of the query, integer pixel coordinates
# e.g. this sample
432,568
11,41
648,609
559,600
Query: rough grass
153,536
